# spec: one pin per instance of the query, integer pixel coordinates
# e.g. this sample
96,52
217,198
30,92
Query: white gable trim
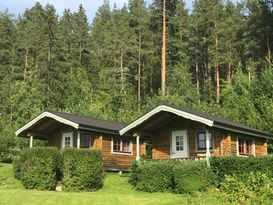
166,109
50,115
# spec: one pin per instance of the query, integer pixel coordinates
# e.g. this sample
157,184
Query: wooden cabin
63,130
175,133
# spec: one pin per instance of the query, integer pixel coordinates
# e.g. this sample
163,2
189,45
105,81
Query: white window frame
253,147
67,134
196,141
121,144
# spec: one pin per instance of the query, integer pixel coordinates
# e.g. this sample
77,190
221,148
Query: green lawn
116,190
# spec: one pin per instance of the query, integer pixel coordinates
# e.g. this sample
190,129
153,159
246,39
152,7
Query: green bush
133,179
191,176
254,188
154,176
240,166
39,168
16,163
82,169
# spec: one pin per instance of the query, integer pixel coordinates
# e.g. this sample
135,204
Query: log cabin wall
55,138
224,142
102,141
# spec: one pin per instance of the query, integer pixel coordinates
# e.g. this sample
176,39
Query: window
245,146
85,141
67,141
201,141
122,145
179,143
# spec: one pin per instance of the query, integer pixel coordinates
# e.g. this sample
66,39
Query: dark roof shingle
220,121
91,122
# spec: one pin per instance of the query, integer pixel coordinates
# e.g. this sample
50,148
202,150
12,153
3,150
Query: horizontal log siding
260,147
225,143
118,161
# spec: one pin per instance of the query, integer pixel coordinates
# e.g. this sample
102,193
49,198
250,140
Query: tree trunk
80,56
217,66
268,47
217,82
229,63
197,77
121,71
26,64
163,68
139,73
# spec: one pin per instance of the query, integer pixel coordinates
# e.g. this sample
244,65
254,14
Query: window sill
203,150
246,155
122,153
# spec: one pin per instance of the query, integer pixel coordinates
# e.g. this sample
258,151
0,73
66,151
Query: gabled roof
76,121
209,120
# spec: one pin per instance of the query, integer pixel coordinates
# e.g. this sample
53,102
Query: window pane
245,146
202,145
67,141
201,136
85,141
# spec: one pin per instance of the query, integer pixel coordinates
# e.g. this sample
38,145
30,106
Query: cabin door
179,148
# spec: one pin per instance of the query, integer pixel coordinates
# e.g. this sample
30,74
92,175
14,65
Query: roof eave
50,115
166,109
244,131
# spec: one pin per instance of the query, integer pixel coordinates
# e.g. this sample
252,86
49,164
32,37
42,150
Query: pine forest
215,58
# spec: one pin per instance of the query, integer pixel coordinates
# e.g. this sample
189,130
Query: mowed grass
116,190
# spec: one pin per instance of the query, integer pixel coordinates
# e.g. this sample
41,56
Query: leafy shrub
255,188
154,176
240,166
82,169
16,163
191,176
39,167
133,179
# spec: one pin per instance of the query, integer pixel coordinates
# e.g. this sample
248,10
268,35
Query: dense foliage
168,175
155,176
253,188
219,60
241,166
39,168
192,176
82,169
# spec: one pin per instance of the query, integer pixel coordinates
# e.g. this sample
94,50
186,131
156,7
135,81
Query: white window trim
63,139
204,150
121,153
253,146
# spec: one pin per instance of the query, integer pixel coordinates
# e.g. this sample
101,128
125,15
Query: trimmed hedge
82,169
169,175
154,176
240,166
39,168
191,176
